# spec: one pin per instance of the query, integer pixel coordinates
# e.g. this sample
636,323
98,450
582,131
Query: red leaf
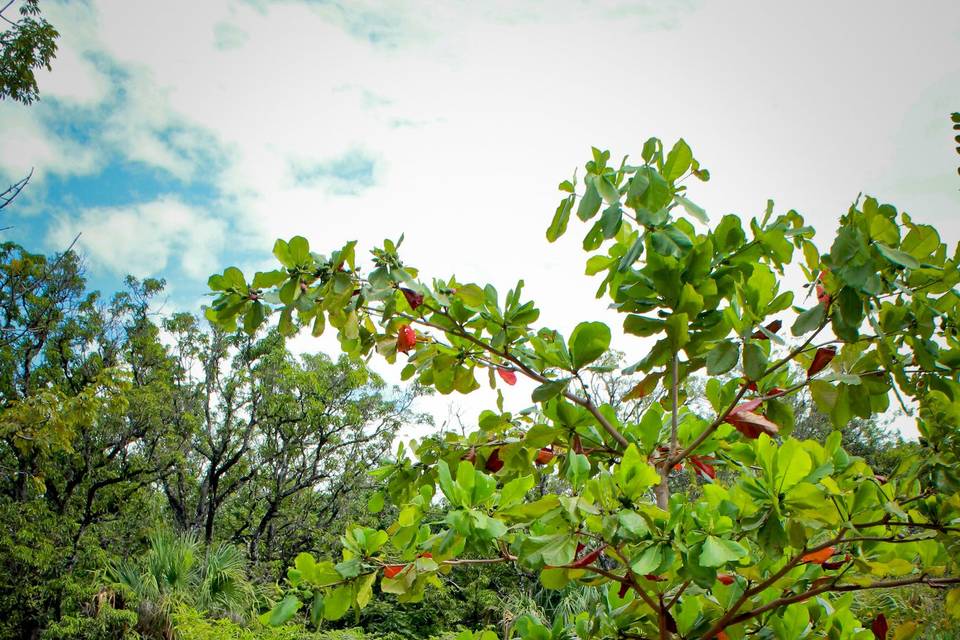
624,587
508,375
749,405
426,554
879,627
587,559
751,424
776,391
414,299
391,570
654,577
725,578
406,339
494,463
722,635
773,327
821,359
544,456
818,557
704,467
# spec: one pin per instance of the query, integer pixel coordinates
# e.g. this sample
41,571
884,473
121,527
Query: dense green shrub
108,624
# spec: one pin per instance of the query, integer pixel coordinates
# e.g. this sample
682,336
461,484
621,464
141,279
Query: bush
108,624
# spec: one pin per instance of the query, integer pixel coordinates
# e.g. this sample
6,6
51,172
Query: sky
182,137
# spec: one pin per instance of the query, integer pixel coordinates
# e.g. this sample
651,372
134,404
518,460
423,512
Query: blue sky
182,137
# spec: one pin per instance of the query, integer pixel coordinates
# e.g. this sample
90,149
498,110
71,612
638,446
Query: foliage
780,541
28,44
176,572
107,624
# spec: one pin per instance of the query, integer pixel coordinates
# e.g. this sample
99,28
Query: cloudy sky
180,137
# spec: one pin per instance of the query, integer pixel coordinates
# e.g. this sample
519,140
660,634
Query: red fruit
751,424
879,627
725,578
818,557
752,386
821,359
391,570
678,466
773,327
414,299
544,456
508,375
822,296
494,463
406,339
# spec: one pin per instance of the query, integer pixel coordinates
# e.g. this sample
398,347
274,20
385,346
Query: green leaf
606,189
670,241
634,475
694,210
549,390
558,225
375,503
896,256
283,610
471,295
589,203
578,469
678,330
754,361
678,160
642,326
716,552
648,561
337,602
723,357
808,320
588,342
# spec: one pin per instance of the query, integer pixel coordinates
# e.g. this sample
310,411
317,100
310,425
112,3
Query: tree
775,550
28,44
276,444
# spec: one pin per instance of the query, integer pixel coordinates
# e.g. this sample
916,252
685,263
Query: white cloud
145,239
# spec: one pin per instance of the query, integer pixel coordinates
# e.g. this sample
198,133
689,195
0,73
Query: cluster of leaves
27,45
793,527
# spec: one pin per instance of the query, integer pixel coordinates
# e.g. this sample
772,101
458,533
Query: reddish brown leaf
749,405
414,299
822,296
725,578
818,557
773,327
644,387
703,466
751,424
587,559
821,359
624,587
392,570
544,456
494,463
879,627
508,375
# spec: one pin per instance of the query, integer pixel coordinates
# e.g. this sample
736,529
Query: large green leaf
717,552
588,342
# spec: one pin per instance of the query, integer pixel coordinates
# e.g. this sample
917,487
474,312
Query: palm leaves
177,572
